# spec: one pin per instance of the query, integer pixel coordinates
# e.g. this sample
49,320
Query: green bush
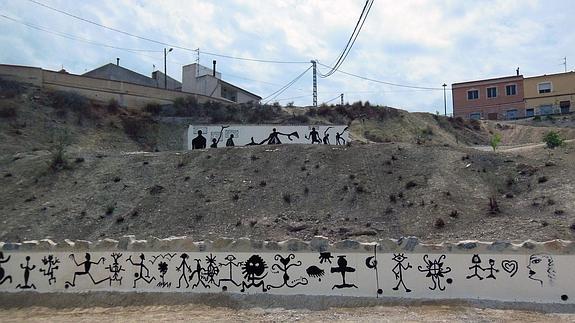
153,108
495,141
537,118
553,140
61,140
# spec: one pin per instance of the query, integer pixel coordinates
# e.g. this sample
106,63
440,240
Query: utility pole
314,83
341,99
166,51
565,63
444,99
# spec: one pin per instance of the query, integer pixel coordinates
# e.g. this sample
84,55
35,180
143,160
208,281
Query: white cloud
417,42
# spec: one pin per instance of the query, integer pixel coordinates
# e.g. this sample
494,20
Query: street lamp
444,99
166,51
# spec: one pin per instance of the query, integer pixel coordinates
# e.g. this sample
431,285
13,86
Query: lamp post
166,51
444,99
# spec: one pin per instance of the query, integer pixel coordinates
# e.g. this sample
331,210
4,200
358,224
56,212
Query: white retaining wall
500,271
244,133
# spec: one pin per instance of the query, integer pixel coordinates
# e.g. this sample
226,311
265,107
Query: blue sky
413,42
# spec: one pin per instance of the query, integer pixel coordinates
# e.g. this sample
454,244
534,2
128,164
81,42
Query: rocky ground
203,313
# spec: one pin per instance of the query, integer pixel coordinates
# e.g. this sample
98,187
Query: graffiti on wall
536,277
255,135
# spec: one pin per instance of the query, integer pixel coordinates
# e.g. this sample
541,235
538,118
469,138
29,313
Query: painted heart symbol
510,266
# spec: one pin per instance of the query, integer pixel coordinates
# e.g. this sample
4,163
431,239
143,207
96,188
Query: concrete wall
393,269
127,94
244,133
562,90
497,106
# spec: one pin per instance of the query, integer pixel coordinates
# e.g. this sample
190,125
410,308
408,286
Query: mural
536,277
253,135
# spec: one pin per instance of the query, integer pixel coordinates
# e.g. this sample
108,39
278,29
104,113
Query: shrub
439,223
537,118
8,109
553,140
63,100
153,108
10,89
113,106
495,141
286,197
58,159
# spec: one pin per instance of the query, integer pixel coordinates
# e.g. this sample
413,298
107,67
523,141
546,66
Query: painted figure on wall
51,263
315,271
230,262
398,270
338,137
216,142
163,269
252,143
199,142
182,268
342,268
476,261
199,272
273,138
254,273
27,270
510,266
313,136
212,270
115,269
283,267
142,267
3,276
325,257
541,268
326,136
230,141
87,267
435,271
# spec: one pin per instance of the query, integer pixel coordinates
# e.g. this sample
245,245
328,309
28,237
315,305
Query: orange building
493,99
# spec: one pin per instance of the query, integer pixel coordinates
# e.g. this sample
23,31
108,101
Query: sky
423,43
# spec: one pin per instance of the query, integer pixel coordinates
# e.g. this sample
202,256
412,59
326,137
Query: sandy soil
202,313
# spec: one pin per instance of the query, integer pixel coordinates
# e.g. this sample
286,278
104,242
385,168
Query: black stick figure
50,261
326,136
342,268
27,270
313,136
2,272
140,274
398,271
285,266
476,261
87,266
115,268
491,269
198,272
338,137
230,263
182,267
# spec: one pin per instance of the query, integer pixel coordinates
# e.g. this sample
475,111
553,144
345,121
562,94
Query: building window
544,87
491,92
565,106
472,94
511,89
475,116
529,113
546,109
511,114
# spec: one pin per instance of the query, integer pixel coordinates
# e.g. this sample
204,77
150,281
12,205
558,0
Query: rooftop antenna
565,63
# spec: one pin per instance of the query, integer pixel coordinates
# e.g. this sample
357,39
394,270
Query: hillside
423,179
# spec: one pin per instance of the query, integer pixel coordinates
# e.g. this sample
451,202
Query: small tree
495,141
553,140
61,141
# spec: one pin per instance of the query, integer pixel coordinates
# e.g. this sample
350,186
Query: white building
202,80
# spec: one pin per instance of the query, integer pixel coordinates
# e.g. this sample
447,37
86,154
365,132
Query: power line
328,101
352,39
73,37
384,82
164,43
285,87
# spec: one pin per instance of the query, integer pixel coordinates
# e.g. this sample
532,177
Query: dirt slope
436,190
